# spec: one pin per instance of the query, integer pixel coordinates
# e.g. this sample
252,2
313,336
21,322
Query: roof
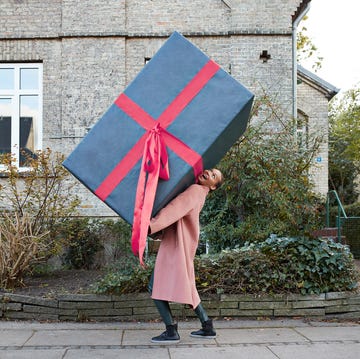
309,77
300,9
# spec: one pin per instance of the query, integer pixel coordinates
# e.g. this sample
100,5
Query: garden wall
135,307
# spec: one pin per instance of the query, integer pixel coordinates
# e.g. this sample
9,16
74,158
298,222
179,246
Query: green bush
118,234
267,190
83,242
85,237
344,144
353,210
276,265
351,231
130,278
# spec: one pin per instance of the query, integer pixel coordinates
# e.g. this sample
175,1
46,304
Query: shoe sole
203,336
165,341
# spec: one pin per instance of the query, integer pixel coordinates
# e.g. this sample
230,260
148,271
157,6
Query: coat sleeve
178,208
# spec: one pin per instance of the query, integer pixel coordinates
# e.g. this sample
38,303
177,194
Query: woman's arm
178,208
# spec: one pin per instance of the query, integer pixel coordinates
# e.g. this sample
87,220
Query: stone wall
140,307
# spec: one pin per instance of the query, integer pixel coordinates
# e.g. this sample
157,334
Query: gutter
295,24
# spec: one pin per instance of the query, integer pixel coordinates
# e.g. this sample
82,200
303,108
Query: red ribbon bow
154,166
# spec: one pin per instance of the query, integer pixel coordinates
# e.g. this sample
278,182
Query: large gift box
196,108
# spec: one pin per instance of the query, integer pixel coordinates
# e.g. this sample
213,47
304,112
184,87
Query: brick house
63,62
313,95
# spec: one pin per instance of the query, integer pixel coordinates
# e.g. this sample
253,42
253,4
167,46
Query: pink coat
174,276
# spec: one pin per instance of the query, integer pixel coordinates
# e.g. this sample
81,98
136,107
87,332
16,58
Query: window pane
6,79
29,79
29,114
5,125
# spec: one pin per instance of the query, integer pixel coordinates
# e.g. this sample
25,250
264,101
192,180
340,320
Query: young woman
174,278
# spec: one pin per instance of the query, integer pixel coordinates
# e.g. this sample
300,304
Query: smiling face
210,178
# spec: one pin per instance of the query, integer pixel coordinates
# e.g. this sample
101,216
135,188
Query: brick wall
314,104
262,16
92,49
160,16
30,18
93,17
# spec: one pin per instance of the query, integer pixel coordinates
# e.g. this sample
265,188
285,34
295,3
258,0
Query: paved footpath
258,339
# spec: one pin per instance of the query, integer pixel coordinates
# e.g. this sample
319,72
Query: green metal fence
340,212
349,227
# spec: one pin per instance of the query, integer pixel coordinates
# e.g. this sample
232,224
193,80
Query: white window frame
14,95
302,131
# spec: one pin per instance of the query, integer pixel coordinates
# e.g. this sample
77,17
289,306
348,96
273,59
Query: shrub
83,242
20,248
37,199
351,210
94,243
266,190
43,192
117,233
276,265
130,279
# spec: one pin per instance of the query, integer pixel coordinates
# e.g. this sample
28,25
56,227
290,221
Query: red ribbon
152,146
154,166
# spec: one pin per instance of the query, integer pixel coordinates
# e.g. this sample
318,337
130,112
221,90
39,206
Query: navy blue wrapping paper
209,124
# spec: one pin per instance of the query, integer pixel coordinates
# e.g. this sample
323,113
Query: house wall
314,104
91,49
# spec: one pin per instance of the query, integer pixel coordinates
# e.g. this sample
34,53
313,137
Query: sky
334,28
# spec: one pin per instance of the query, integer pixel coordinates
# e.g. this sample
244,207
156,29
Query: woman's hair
221,181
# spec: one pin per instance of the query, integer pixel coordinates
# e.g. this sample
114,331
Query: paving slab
263,339
26,324
143,337
255,352
191,324
161,353
32,354
14,337
330,333
252,323
75,337
260,335
318,351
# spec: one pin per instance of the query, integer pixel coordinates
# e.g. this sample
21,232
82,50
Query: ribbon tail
135,235
149,198
145,194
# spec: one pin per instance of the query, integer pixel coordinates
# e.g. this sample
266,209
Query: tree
345,123
267,189
306,49
344,145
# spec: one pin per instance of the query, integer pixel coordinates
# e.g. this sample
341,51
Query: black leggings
165,311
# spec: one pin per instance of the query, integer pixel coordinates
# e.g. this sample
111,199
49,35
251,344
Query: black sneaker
207,331
170,336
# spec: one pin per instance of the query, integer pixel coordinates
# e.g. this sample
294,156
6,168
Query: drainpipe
294,65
